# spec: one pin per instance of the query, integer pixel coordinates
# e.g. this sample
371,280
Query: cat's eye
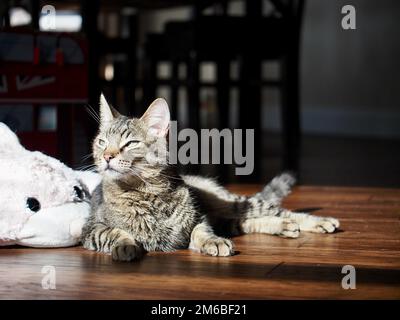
33,204
130,143
102,142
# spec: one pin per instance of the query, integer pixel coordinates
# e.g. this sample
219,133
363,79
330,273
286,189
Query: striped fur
142,206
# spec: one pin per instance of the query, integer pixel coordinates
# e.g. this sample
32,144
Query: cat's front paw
127,251
218,247
290,229
326,225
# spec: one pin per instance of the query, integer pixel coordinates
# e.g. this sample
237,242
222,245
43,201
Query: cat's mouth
112,173
110,169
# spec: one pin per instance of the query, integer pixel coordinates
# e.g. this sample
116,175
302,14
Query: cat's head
131,147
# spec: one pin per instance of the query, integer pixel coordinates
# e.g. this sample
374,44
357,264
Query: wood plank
265,267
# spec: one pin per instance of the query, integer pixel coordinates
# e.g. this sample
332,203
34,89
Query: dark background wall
350,79
352,75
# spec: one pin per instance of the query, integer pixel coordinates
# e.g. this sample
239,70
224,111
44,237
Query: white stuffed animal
43,203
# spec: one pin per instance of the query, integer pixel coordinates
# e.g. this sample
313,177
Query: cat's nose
108,156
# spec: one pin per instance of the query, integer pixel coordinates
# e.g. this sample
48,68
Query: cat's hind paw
290,229
326,225
218,247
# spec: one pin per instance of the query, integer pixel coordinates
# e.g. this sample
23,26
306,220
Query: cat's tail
219,202
268,201
278,188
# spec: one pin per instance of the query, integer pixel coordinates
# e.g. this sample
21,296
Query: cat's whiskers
137,174
93,113
87,156
163,174
171,177
166,176
157,178
88,167
151,183
157,194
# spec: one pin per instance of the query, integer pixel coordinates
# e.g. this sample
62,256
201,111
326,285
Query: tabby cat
146,205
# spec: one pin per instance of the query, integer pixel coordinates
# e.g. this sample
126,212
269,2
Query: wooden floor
265,267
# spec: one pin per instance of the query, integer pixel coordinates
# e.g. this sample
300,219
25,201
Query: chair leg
131,85
223,93
65,132
290,112
174,90
194,94
149,83
223,110
250,107
193,101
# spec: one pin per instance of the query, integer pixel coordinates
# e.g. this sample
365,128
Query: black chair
250,40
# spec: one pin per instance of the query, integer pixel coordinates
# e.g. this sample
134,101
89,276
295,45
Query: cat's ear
157,118
107,112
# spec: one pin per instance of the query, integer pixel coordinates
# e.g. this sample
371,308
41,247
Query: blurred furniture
39,68
98,46
250,40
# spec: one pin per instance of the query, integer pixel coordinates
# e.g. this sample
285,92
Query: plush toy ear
157,118
107,112
8,140
89,179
